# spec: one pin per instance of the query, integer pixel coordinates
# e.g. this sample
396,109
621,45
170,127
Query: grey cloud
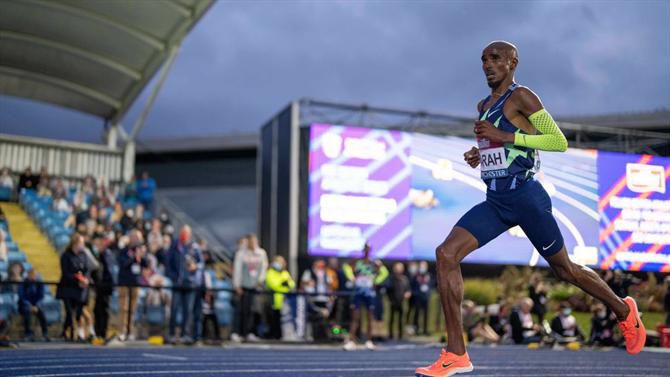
246,60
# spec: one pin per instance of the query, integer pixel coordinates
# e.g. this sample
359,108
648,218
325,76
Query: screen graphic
359,183
635,212
404,192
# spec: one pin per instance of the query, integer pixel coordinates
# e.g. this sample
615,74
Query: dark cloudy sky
247,59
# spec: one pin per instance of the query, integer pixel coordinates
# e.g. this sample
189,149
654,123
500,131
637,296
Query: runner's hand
484,129
472,157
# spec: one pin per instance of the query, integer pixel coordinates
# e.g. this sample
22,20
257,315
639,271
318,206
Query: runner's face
497,64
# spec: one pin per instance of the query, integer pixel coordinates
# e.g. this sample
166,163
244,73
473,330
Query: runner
513,125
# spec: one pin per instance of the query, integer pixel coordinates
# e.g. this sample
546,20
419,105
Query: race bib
493,163
135,269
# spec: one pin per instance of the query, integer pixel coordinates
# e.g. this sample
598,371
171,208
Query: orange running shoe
633,328
446,365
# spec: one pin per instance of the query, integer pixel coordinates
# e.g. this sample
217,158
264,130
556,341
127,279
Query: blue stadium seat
8,304
12,246
5,193
51,309
15,256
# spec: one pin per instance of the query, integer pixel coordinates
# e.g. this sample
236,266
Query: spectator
399,292
476,325
43,188
524,329
130,190
15,277
165,219
666,301
317,313
339,315
322,283
565,324
209,299
61,205
145,191
538,293
364,274
499,321
31,292
250,268
602,327
131,260
6,180
27,180
3,246
73,285
155,244
185,268
620,282
105,279
421,284
280,282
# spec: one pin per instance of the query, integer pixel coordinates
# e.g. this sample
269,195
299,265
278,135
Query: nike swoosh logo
491,113
548,246
447,365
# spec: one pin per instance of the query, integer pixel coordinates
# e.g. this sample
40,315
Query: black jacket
398,286
517,327
69,287
105,277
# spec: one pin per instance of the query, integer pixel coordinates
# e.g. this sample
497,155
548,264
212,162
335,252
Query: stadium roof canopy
90,56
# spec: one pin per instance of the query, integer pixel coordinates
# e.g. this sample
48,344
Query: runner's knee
448,254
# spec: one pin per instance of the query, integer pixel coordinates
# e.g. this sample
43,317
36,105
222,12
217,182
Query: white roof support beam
137,127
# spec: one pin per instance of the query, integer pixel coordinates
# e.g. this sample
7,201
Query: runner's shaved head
505,47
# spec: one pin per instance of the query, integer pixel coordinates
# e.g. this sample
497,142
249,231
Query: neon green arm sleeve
348,272
550,137
381,275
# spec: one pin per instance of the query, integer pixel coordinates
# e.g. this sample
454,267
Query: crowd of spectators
120,244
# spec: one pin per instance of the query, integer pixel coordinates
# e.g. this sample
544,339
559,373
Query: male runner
512,126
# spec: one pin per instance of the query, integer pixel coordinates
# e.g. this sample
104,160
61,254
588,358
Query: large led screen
402,193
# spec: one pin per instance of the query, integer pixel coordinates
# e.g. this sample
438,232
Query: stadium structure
227,185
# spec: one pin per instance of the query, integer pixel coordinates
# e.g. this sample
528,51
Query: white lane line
309,370
219,371
407,364
166,357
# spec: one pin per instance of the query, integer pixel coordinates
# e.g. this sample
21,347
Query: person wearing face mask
279,281
73,285
185,266
565,324
602,327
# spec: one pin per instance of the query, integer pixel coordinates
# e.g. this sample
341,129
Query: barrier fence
302,315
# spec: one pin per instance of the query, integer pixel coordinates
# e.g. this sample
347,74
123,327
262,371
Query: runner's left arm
549,137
